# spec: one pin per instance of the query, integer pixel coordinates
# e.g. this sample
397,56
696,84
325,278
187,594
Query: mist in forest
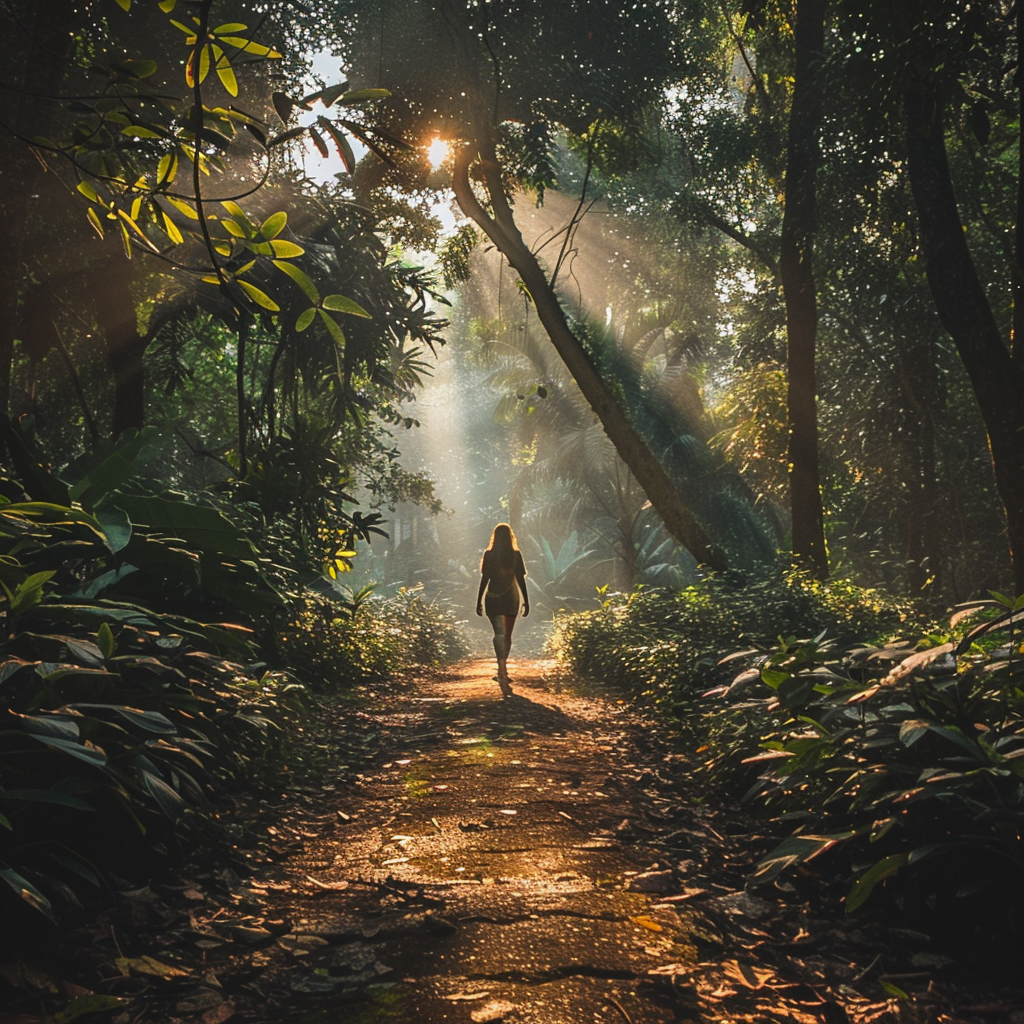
505,436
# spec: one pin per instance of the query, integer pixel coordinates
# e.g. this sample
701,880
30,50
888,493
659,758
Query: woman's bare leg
499,623
510,622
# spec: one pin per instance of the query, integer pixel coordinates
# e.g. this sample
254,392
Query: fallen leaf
148,965
491,1012
745,974
647,922
468,997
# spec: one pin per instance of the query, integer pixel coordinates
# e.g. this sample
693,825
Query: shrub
908,763
340,643
663,647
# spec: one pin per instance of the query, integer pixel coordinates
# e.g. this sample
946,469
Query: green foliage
118,719
338,642
662,646
906,760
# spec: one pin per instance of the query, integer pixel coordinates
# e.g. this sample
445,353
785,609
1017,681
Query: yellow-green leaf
332,326
274,224
257,49
226,73
261,298
231,26
340,304
305,319
234,228
300,278
236,211
166,169
182,207
130,221
173,233
286,250
167,5
88,191
136,131
360,95
94,220
125,5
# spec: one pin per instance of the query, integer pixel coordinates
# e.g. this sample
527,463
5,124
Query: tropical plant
901,760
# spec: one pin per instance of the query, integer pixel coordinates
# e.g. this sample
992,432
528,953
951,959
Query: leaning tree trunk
500,227
963,307
797,273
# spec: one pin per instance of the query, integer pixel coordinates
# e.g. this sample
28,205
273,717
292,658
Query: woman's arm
521,580
480,592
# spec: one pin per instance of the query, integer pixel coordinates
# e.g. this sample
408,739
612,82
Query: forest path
491,868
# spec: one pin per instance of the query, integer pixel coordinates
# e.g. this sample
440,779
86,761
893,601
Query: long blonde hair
503,544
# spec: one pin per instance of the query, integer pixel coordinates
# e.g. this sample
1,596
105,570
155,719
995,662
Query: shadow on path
485,871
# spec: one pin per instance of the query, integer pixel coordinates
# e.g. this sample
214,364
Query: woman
502,576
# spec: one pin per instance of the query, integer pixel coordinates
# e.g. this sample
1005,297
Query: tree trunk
1017,268
963,307
35,65
797,274
124,346
501,228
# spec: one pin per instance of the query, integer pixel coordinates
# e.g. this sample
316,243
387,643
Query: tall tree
797,274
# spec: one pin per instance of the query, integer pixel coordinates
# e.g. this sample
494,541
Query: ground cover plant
135,683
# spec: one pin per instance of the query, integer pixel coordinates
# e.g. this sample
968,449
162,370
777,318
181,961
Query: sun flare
437,152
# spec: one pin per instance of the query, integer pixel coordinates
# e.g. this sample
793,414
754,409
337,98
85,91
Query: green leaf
82,753
182,207
91,1002
29,592
333,329
201,527
168,799
300,278
24,888
150,721
48,796
125,5
339,304
226,74
166,169
795,691
305,319
88,191
880,869
284,250
250,47
105,640
93,217
258,296
173,232
361,95
795,850
274,225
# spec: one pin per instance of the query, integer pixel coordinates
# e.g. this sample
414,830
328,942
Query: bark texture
796,271
963,307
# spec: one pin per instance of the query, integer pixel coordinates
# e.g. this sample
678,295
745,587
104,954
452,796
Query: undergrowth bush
904,762
337,644
662,647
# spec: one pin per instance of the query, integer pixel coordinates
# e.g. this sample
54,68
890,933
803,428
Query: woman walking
502,576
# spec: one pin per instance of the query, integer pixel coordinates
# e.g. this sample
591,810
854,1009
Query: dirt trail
492,868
